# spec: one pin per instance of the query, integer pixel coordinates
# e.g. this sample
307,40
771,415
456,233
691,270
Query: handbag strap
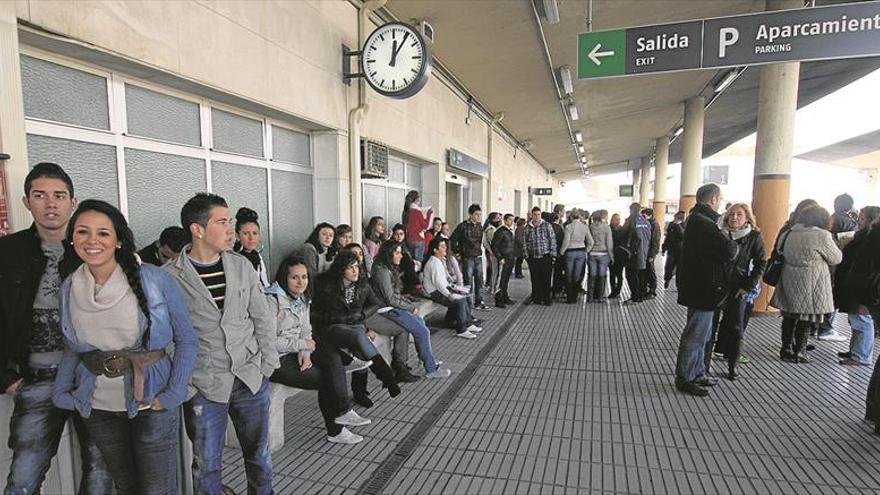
781,242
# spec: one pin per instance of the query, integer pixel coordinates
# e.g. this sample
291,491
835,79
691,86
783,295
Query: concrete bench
278,395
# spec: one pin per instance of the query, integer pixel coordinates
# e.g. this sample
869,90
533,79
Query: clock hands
395,49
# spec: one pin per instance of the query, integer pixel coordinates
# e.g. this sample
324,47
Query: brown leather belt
118,363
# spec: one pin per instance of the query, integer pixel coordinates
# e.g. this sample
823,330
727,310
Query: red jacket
416,225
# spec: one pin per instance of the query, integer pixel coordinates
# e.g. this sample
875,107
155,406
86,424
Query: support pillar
661,165
13,139
636,175
777,103
692,151
644,183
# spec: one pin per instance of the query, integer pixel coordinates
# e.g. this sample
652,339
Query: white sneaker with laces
474,329
466,335
351,418
346,437
439,373
832,336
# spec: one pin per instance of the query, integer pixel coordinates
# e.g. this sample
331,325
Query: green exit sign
602,54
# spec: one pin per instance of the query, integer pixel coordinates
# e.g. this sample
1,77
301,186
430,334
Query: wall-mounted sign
541,191
458,160
817,33
625,190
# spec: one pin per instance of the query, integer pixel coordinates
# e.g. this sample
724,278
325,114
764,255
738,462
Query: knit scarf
737,234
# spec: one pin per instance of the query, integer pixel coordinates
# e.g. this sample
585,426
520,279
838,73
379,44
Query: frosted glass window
92,167
158,185
236,134
247,186
395,170
290,146
59,93
291,213
159,116
413,176
374,203
395,205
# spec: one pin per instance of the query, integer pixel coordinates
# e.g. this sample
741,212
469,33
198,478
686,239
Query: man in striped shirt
237,350
541,250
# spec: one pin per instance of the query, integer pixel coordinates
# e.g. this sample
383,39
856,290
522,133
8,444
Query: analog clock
396,60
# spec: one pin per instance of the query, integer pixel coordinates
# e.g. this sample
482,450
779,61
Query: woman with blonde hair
738,223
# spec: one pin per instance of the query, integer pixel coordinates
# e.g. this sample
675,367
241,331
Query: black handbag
773,272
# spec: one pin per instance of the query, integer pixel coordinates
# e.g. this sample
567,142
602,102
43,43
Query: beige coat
238,342
805,284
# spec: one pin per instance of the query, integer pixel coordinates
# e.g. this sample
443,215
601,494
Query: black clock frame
421,78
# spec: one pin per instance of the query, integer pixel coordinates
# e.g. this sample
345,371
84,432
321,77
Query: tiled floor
580,399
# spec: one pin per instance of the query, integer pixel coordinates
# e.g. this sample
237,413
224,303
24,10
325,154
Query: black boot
384,373
733,358
800,344
785,352
359,393
402,373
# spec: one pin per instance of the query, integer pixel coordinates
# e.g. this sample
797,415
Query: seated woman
387,286
319,248
343,302
304,364
437,284
364,262
119,317
409,268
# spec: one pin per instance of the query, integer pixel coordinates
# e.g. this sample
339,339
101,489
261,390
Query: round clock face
396,60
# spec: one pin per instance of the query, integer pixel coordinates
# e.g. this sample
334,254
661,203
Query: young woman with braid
118,319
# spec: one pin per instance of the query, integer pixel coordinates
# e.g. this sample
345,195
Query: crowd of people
86,321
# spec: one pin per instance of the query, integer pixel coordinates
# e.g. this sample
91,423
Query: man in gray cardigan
237,351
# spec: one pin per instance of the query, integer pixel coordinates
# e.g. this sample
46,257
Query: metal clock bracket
347,55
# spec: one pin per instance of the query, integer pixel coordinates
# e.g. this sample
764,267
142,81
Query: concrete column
692,151
13,139
777,103
661,164
644,183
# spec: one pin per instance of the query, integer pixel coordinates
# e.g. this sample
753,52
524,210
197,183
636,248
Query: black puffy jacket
857,277
705,265
748,266
329,307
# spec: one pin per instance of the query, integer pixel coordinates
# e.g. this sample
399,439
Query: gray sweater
602,240
577,236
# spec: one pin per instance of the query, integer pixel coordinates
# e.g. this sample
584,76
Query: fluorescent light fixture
583,159
727,80
565,80
678,131
572,111
580,148
579,136
551,11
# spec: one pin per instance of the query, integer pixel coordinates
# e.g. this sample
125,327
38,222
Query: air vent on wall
374,160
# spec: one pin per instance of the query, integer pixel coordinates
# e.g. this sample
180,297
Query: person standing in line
541,250
519,238
416,220
248,242
118,317
601,256
237,355
31,338
637,235
492,224
503,246
559,275
166,248
621,256
649,282
671,248
703,275
577,242
467,242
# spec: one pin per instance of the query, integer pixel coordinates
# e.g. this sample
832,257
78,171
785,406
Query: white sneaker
466,335
357,365
351,418
439,373
438,363
474,329
832,336
346,437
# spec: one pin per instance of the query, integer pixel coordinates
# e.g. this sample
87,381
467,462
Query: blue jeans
138,450
206,427
458,312
415,325
574,265
35,430
351,337
417,249
599,265
472,269
861,345
690,363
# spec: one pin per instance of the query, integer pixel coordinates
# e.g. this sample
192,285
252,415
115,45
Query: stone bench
278,395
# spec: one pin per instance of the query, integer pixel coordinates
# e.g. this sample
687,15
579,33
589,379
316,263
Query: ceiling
862,151
494,47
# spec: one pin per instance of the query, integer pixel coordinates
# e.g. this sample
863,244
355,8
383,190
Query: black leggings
327,376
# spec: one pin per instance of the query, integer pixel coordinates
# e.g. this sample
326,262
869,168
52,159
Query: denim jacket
166,379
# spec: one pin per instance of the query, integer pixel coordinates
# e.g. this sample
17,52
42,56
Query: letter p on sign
728,36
